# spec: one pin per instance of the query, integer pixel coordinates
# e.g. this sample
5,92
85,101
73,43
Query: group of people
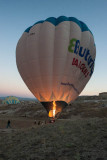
44,122
36,122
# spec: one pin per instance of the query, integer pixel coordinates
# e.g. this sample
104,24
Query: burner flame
52,112
54,108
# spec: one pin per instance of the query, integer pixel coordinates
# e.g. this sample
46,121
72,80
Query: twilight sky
16,16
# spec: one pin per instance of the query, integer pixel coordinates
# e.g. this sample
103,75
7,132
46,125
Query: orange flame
54,108
53,111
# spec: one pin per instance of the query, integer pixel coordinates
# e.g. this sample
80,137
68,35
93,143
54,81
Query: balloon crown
56,21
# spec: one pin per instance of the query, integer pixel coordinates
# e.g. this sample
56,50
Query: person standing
8,124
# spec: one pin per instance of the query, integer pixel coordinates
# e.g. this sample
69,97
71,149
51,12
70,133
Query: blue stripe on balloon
51,20
7,102
56,21
28,29
39,22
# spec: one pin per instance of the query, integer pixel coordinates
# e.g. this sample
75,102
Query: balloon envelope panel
55,58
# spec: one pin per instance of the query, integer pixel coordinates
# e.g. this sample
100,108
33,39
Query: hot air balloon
11,100
55,58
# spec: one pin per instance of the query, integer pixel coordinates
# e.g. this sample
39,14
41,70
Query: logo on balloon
74,47
71,85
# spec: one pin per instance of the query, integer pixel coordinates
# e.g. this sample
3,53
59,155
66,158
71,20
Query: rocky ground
80,132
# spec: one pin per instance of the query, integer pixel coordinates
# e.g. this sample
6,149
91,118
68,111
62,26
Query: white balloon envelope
55,59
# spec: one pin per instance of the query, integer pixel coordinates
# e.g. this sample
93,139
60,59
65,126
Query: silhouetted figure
8,124
39,123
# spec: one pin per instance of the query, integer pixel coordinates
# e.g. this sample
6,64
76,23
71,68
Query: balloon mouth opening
54,108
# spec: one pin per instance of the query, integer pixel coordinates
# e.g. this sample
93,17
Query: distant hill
85,97
27,99
22,99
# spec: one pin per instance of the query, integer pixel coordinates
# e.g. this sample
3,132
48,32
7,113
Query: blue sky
16,16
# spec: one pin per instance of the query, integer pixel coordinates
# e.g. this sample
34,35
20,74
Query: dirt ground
80,133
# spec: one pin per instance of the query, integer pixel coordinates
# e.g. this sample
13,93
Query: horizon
36,98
